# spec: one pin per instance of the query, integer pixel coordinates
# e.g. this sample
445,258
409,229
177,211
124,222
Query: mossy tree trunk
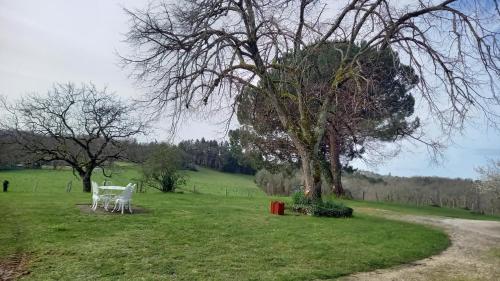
335,165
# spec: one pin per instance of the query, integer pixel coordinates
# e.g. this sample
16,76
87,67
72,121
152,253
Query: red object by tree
277,208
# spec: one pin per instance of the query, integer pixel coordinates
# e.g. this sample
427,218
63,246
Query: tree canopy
382,112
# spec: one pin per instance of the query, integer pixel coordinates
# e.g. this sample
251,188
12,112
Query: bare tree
192,52
82,126
490,178
488,185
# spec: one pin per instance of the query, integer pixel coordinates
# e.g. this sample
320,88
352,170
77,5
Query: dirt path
16,265
13,267
473,255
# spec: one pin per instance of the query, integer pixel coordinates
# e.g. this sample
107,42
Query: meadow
216,228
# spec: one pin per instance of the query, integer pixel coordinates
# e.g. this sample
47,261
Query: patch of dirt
86,209
13,267
468,257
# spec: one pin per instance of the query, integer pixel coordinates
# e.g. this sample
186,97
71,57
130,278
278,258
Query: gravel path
474,253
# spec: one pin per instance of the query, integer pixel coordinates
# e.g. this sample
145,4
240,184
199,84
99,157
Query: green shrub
161,169
299,198
328,208
331,209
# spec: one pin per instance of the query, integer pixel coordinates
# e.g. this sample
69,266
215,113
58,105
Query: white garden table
111,188
111,191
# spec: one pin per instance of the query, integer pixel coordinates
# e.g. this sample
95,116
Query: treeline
423,191
224,156
12,155
221,156
418,191
412,190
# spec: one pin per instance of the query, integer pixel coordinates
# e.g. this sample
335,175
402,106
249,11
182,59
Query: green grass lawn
204,235
207,181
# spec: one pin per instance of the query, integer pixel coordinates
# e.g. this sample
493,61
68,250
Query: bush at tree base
304,205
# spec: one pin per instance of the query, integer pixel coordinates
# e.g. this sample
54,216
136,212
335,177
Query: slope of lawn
204,235
208,181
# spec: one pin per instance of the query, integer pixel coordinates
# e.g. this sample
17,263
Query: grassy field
208,234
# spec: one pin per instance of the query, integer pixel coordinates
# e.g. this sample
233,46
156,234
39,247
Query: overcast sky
42,42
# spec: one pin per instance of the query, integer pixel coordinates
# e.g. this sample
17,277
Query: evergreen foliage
222,156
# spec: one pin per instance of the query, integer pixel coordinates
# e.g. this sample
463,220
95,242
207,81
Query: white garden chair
124,199
96,197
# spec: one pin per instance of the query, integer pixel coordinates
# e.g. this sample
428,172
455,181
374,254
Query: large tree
197,52
380,113
83,126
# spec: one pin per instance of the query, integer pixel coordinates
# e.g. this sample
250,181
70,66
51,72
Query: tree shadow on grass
14,266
